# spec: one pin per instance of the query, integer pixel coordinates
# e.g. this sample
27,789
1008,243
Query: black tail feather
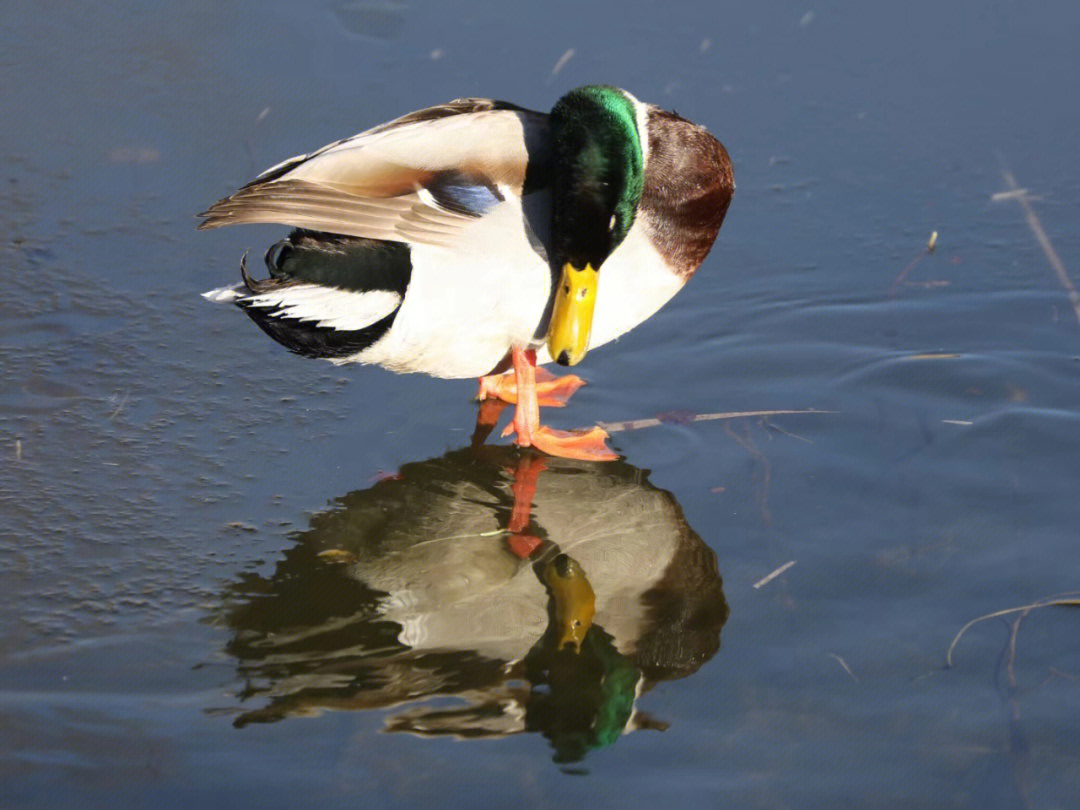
310,340
252,285
348,263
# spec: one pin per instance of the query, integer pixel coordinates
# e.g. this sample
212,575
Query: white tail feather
223,295
331,307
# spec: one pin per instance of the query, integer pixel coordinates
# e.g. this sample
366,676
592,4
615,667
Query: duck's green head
599,172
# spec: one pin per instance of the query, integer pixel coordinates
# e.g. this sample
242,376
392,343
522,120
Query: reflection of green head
580,700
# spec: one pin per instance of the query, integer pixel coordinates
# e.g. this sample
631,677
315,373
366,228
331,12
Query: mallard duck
476,236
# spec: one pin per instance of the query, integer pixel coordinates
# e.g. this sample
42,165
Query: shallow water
236,577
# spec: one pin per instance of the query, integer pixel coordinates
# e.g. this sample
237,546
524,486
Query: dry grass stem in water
1022,609
1021,196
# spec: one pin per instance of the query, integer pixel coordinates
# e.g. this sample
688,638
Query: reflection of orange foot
551,391
489,413
523,546
526,473
486,419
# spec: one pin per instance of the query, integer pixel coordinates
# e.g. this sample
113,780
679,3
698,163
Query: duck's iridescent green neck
599,172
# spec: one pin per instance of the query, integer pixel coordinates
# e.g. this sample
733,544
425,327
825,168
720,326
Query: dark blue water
234,577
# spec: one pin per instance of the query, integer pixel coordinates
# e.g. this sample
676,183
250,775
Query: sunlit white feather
331,307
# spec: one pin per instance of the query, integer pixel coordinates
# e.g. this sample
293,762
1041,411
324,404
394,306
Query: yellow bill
572,316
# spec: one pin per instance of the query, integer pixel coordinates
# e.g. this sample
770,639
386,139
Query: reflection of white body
430,548
460,588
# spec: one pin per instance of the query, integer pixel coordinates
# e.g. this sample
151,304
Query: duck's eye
611,225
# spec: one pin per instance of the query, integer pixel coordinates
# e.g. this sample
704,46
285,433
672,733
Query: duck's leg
587,445
551,391
499,390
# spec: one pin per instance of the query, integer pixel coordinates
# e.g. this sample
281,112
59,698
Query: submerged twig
1057,673
930,246
764,481
1017,748
1022,197
119,408
561,63
844,664
1006,612
787,433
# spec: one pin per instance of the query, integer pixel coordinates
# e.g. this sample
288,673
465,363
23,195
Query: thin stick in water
638,424
765,580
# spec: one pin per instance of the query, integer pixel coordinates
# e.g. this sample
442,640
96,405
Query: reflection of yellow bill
575,602
572,316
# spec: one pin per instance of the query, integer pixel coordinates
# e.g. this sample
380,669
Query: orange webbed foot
551,391
583,445
586,445
500,387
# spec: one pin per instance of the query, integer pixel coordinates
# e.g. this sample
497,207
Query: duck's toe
551,391
556,391
584,445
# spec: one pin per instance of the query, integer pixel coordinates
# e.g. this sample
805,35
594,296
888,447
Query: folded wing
419,179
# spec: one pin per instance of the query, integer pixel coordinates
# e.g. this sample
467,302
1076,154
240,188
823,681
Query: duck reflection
540,594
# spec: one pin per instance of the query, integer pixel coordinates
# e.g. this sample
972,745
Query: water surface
235,577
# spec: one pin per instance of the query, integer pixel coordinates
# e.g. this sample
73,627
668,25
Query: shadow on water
536,594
